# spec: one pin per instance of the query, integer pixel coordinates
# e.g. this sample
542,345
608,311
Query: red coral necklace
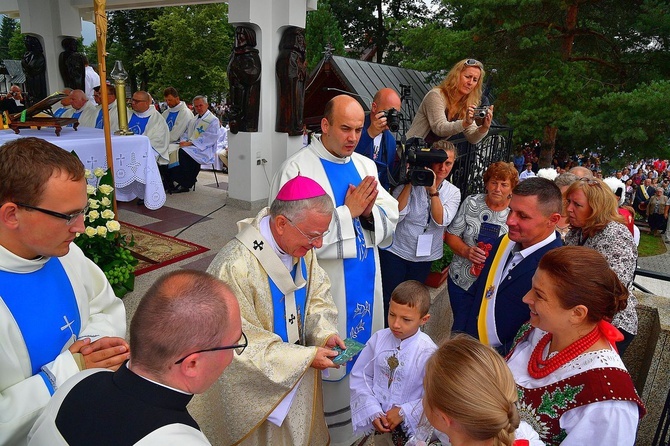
539,368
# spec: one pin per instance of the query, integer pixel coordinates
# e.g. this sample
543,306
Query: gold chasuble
260,379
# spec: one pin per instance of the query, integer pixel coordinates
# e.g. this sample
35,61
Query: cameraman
377,141
425,213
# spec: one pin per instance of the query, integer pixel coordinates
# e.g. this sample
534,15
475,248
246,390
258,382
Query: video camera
392,119
418,156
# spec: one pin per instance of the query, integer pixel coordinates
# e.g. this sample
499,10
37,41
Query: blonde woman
470,395
449,108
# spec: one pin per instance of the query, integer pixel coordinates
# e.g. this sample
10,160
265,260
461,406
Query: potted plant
440,268
101,241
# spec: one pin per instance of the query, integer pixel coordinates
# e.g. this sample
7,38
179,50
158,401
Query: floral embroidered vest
543,407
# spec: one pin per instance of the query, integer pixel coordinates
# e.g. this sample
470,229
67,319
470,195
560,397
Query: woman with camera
449,108
425,212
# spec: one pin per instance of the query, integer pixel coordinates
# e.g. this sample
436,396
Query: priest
272,393
145,120
364,219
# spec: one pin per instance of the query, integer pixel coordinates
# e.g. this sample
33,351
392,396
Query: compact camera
480,112
419,156
392,119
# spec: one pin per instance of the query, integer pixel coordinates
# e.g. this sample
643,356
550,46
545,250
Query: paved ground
659,263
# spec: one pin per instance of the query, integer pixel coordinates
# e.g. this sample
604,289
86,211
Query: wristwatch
436,194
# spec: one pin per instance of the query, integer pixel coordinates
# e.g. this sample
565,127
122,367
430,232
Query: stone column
254,157
50,21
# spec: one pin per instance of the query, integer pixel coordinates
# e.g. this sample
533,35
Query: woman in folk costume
568,372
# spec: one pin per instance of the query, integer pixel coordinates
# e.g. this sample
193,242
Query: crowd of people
315,309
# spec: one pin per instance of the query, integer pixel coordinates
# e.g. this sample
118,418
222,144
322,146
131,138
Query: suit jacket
387,151
510,311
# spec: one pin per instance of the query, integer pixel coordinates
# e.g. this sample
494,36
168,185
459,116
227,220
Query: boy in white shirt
387,380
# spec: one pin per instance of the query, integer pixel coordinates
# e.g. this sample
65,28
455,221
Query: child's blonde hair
471,384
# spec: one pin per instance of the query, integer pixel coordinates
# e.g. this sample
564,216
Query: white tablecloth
135,170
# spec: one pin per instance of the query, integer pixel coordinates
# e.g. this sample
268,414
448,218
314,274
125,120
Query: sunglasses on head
473,63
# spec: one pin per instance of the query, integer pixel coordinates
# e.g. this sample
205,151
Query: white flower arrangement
101,240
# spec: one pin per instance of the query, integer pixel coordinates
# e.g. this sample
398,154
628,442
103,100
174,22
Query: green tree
555,61
17,46
371,25
132,32
7,28
189,50
321,30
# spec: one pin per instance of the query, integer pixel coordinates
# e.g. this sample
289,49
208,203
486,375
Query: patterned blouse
616,244
466,225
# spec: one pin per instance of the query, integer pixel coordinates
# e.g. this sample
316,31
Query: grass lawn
650,245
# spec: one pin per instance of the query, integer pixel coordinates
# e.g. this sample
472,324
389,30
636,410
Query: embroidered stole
58,113
199,128
171,119
486,324
99,121
359,272
289,291
138,124
44,307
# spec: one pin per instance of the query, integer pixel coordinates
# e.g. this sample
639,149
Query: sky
88,32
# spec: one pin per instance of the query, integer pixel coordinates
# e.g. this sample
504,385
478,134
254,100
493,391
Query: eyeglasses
474,63
69,218
239,348
311,240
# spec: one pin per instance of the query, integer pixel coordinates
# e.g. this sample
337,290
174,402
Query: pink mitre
300,188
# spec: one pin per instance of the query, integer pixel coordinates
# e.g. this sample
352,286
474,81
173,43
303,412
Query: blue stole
76,115
137,124
44,307
359,273
58,113
171,119
98,122
279,304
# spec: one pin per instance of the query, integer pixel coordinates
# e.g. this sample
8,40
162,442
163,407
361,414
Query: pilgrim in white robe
376,387
85,115
152,125
177,119
203,132
47,303
349,256
113,117
270,394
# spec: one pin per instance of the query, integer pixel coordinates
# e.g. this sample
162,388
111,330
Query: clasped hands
389,421
108,352
360,199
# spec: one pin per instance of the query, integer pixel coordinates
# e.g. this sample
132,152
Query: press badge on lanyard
424,242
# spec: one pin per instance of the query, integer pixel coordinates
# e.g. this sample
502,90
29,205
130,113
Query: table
135,170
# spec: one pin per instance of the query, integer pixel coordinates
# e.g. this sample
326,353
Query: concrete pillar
249,176
50,21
